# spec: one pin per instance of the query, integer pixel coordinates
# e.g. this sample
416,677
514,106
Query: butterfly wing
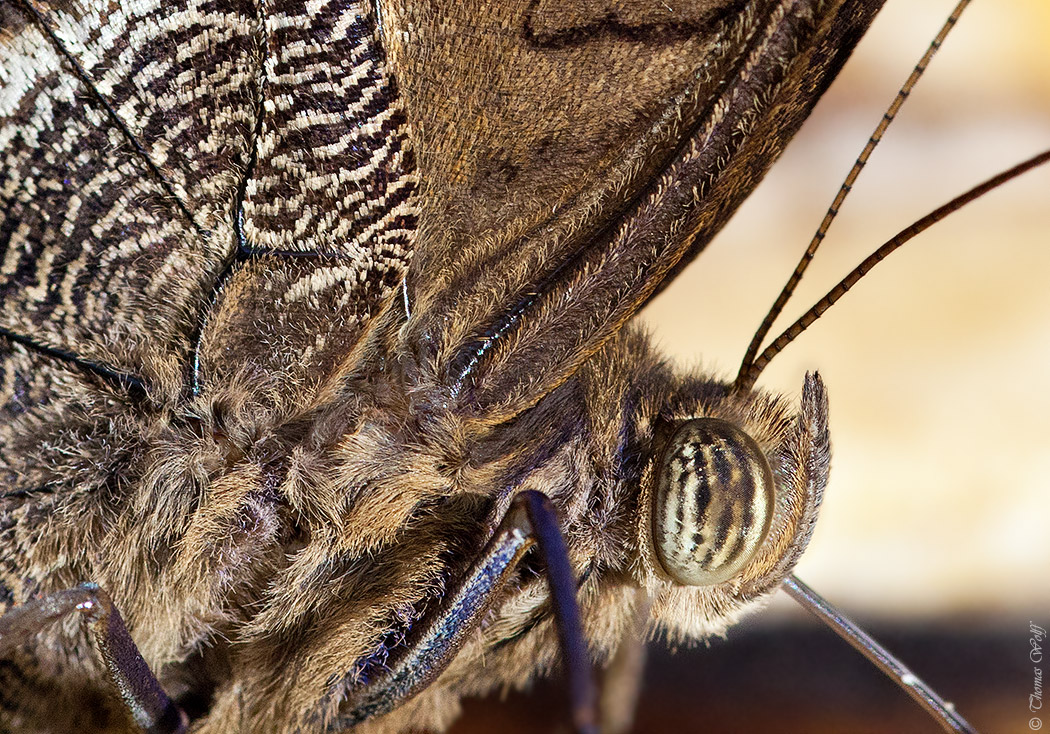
116,187
329,208
190,194
575,156
173,168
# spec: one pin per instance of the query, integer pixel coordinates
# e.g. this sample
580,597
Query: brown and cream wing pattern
157,155
329,208
150,153
117,177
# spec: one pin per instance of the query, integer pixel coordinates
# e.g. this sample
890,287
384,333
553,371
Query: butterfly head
729,496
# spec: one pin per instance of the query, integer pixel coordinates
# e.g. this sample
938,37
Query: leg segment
530,521
622,681
942,712
138,688
583,692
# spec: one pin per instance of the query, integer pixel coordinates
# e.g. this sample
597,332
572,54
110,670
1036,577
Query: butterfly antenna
941,710
747,379
743,382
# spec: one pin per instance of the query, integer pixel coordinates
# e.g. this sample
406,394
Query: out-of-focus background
935,530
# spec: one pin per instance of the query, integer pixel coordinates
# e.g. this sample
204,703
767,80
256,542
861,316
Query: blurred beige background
937,364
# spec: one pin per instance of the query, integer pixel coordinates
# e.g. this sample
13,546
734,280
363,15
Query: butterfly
304,300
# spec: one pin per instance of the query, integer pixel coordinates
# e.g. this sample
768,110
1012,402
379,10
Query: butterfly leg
148,705
622,680
530,521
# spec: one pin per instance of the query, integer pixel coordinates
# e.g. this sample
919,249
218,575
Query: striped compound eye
713,502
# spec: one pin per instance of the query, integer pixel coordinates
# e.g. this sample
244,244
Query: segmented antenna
747,378
748,372
880,657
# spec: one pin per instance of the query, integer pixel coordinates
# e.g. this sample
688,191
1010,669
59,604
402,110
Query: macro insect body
305,306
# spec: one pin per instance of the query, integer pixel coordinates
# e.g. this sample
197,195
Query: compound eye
713,502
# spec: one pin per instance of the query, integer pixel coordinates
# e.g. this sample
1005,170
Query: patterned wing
122,139
191,193
123,136
171,165
329,212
